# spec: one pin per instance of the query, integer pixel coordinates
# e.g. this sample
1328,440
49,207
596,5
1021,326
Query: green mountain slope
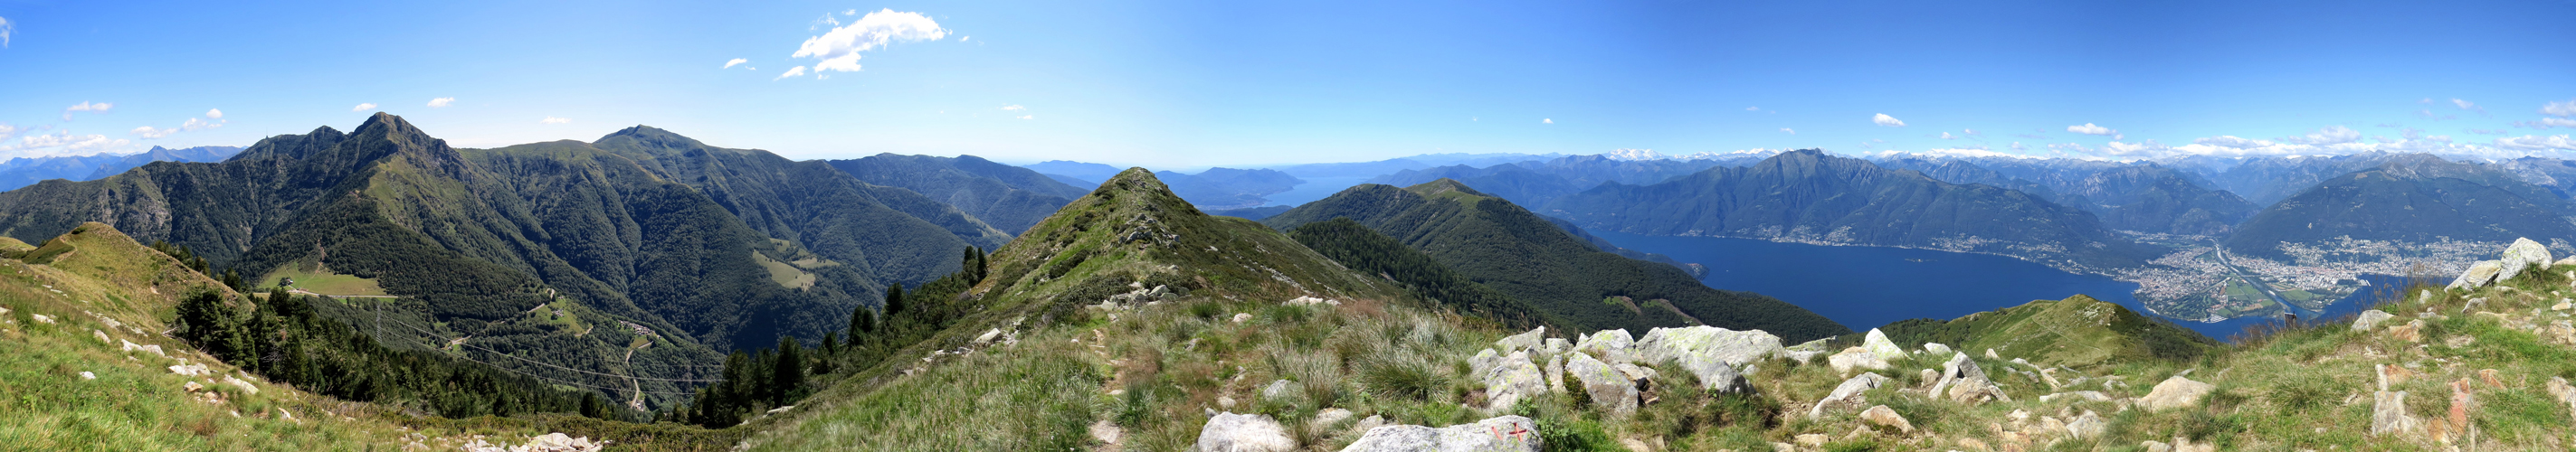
1007,197
1808,196
1527,257
2412,198
2074,332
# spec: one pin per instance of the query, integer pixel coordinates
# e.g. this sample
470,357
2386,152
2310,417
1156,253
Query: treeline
1366,251
287,340
757,381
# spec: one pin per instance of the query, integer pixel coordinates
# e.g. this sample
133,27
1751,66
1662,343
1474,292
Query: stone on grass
1501,434
2176,392
1513,380
1806,352
1884,417
1610,389
1847,396
2388,414
1611,344
1877,343
2370,319
1855,359
1229,432
1282,391
2478,275
1936,350
2088,425
1735,348
2522,255
1330,416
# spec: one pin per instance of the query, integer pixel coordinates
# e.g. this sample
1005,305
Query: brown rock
2490,377
1884,417
2412,331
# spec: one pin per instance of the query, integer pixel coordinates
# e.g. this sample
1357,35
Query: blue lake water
1868,287
1315,188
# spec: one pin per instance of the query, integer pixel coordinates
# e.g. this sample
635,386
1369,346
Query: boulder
1501,434
2388,414
2370,319
2087,425
1855,359
1884,417
1610,344
1877,343
1330,416
1555,373
1847,395
1609,389
1976,390
1531,340
1229,432
2478,275
1515,379
2176,392
2096,396
1483,362
190,370
1734,348
1959,368
2522,255
1936,350
2412,331
1557,345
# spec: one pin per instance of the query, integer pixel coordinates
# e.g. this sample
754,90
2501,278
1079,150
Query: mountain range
2412,198
1007,197
25,171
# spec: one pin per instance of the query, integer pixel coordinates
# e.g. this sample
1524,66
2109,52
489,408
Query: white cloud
61,143
1028,117
1546,121
791,72
1946,136
839,49
147,132
2018,147
215,113
5,28
553,120
2464,105
2567,108
851,12
1971,132
195,124
1014,107
2544,123
1885,120
2231,141
2537,143
2327,136
1752,108
100,107
2090,129
441,102
2488,131
363,107
730,63
1791,131
7,131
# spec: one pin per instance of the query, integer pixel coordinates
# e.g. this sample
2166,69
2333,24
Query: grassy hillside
1008,197
2078,332
1527,257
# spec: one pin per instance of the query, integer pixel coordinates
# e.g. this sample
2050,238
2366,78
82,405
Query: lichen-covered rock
2524,254
1229,432
1501,434
1532,340
1513,380
1847,396
1807,352
1855,359
1884,417
1877,343
1735,348
1609,389
1936,350
2176,392
2087,425
2370,319
1958,368
2478,275
1610,344
1483,362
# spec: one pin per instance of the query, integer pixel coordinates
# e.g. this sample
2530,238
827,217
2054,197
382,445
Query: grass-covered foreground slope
1527,257
2077,331
85,365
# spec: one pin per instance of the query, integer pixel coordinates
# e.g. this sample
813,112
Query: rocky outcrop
1229,432
1712,354
1533,339
2478,275
1855,359
1961,380
550,442
1612,345
2370,319
1609,389
2176,392
1512,380
2522,255
1847,396
1886,350
1501,434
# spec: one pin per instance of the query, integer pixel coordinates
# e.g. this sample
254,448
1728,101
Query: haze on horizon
1193,84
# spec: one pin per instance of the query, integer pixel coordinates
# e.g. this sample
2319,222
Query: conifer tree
787,376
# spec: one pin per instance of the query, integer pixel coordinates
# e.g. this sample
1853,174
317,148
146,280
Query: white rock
1611,344
2478,275
1229,432
2176,392
1609,389
1483,362
1805,352
1855,359
988,336
41,318
1557,345
1883,416
1877,343
1936,350
2523,254
2388,414
1847,395
2370,319
2088,425
1990,354
1735,348
190,370
85,375
1555,373
1239,317
1959,369
1330,416
1533,339
102,337
1513,380
1501,434
244,385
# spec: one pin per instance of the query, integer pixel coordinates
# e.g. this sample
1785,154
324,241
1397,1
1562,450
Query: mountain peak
652,137
1444,185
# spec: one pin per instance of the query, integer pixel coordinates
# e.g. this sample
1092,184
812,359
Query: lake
1867,287
1315,188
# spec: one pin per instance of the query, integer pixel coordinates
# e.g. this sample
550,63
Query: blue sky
1180,84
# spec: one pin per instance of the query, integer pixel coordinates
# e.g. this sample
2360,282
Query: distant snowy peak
1632,155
